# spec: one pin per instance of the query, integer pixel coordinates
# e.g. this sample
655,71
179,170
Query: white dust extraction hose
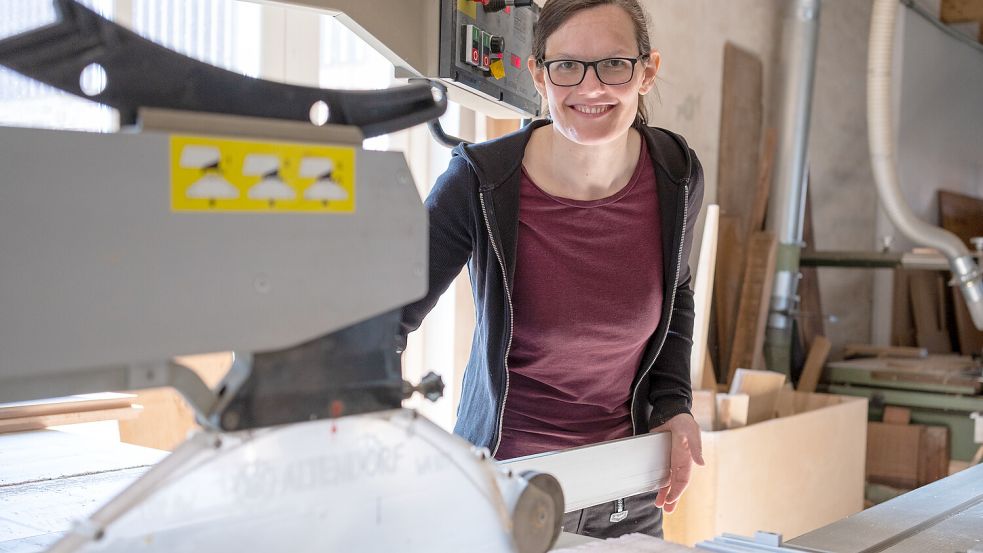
880,125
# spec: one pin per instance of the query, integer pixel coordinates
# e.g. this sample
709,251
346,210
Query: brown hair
556,12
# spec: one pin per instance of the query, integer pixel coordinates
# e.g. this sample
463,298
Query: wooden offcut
933,455
897,415
752,314
762,389
962,11
815,362
705,409
892,454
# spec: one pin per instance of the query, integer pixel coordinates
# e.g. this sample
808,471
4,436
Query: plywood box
790,474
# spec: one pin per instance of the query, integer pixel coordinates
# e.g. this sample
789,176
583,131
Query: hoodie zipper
672,302
508,346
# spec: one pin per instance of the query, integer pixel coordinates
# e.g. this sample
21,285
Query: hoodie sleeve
671,393
450,209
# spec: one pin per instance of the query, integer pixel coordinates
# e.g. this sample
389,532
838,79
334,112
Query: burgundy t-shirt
587,298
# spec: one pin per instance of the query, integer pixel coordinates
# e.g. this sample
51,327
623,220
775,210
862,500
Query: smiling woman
574,230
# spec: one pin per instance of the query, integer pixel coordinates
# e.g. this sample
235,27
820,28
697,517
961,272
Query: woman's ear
538,73
651,71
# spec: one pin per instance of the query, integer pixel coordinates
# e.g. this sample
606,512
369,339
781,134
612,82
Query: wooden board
703,296
892,454
902,319
963,216
961,11
927,293
897,415
759,208
762,389
752,314
815,362
705,409
740,133
933,455
732,410
727,285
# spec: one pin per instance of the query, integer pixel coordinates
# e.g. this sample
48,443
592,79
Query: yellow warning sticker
470,7
214,174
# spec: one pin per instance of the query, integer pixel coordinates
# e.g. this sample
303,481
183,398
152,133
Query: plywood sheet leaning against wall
963,216
790,475
740,135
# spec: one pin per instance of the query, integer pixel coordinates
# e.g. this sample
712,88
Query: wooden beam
815,362
961,11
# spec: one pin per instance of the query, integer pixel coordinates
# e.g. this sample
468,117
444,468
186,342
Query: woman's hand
686,449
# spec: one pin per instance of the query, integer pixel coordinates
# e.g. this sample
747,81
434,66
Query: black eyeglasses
610,71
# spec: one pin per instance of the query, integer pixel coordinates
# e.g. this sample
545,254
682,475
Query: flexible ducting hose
880,127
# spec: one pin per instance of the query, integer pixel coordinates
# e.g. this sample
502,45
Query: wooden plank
897,415
740,132
732,410
892,454
705,409
927,293
703,295
752,314
811,318
815,362
759,208
963,216
762,389
869,350
40,422
933,455
961,11
69,404
709,376
902,319
727,285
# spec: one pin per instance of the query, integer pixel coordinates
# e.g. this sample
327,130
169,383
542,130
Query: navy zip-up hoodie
474,215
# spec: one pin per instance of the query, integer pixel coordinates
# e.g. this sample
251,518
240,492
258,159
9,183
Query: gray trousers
636,514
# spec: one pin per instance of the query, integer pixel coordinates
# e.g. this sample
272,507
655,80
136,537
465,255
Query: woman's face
593,112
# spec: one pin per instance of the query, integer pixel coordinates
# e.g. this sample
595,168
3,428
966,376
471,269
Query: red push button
475,55
516,61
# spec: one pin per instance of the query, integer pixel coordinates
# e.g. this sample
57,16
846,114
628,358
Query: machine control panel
485,47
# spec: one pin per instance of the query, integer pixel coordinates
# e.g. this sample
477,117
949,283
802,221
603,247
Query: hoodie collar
496,161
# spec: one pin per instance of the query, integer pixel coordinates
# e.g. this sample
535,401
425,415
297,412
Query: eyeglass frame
591,64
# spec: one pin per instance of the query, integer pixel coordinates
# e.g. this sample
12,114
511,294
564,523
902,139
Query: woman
576,230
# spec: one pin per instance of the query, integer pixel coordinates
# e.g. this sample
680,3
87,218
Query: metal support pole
789,188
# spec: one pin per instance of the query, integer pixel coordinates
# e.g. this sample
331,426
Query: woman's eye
614,64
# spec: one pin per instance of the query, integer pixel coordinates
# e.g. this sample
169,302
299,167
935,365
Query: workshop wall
844,200
691,36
